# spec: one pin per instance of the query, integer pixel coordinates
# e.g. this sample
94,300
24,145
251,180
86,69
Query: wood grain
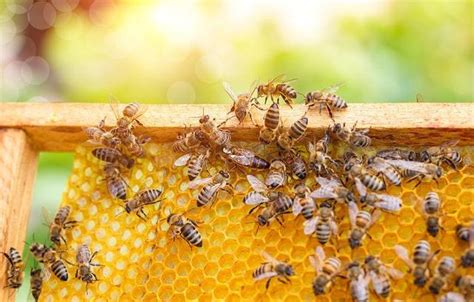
58,126
18,162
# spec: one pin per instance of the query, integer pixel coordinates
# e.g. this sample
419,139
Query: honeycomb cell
140,261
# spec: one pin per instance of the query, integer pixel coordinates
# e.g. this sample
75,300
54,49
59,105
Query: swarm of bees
303,176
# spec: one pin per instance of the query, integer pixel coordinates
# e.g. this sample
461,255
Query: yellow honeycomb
141,263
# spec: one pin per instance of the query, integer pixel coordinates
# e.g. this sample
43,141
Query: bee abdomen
462,232
272,117
336,102
363,218
283,203
361,141
373,182
331,265
394,177
205,195
308,211
259,163
106,154
191,235
323,232
261,270
195,167
275,180
117,189
432,203
60,270
298,128
422,252
150,195
299,169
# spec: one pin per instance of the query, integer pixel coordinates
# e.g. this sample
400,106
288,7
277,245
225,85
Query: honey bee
272,268
59,224
195,162
50,259
129,118
396,153
323,224
462,232
353,137
465,285
184,227
296,163
189,141
383,202
116,184
302,202
467,259
287,139
110,155
359,282
271,123
452,297
84,264
276,177
16,267
135,145
443,154
36,282
355,169
332,188
245,158
319,159
98,135
424,170
275,89
431,205
211,187
419,265
212,133
361,221
142,199
242,104
446,266
326,270
380,275
380,165
327,98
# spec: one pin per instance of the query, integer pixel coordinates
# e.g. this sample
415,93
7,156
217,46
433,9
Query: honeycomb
140,262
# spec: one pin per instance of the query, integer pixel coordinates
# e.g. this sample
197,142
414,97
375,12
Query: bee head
262,220
204,119
308,98
369,259
439,172
350,197
420,281
412,155
424,156
289,270
224,174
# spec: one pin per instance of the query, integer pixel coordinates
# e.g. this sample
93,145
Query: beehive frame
27,129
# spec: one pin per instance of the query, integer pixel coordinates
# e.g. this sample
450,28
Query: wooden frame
28,128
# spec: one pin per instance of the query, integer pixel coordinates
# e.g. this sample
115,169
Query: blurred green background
181,51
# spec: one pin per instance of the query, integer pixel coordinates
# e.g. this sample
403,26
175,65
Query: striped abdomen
272,117
36,283
149,195
331,265
131,109
299,168
191,235
393,176
262,269
363,218
373,182
360,140
308,209
117,188
286,91
195,166
323,232
421,252
259,163
107,154
432,203
60,270
275,179
455,157
206,195
298,129
283,203
385,288
335,101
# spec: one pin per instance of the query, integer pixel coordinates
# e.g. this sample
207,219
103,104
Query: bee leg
253,209
142,213
279,221
282,281
268,283
251,118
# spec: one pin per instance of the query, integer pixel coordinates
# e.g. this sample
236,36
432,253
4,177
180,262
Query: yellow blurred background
181,51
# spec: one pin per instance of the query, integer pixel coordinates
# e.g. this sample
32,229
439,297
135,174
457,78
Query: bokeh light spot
181,92
41,15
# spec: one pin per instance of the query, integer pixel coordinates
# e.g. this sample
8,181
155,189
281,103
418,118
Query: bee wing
334,227
377,282
450,143
402,253
241,159
114,105
352,212
230,91
410,165
452,297
296,207
269,258
323,193
388,202
46,215
375,216
333,88
361,188
265,276
310,225
318,259
328,182
257,198
277,78
182,160
393,272
198,182
310,147
256,183
379,164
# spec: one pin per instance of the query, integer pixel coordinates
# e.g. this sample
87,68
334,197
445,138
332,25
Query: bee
15,271
275,89
424,170
271,123
465,285
50,259
443,154
462,232
332,188
276,177
116,184
354,167
297,131
361,221
302,202
212,133
212,186
419,265
142,199
36,282
452,297
129,118
326,270
59,224
446,266
467,259
353,137
272,268
184,227
327,98
98,135
381,166
319,159
84,263
296,163
359,282
195,162
396,153
384,202
431,205
135,145
380,275
242,104
323,225
189,141
110,155
245,158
